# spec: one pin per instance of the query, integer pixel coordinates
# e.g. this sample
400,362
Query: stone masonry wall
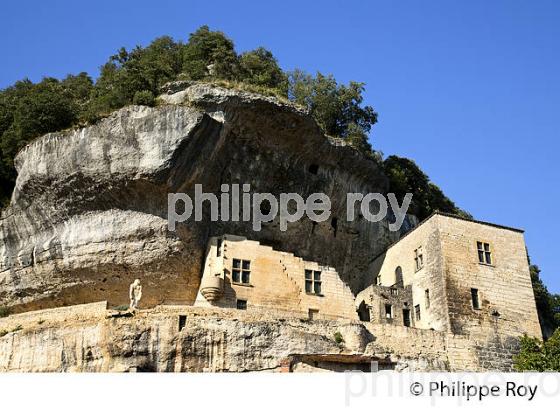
429,277
277,281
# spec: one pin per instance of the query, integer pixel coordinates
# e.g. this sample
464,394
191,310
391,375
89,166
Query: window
398,276
406,317
363,312
313,281
389,311
241,304
241,272
219,248
418,258
417,312
484,253
394,292
427,297
182,322
475,298
313,314
378,280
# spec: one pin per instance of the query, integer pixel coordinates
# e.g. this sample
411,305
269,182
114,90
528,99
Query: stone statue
135,294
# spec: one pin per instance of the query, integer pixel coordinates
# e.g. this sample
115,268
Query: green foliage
144,98
405,176
121,308
209,54
3,332
28,110
4,311
338,338
538,355
337,108
259,67
17,328
142,70
548,305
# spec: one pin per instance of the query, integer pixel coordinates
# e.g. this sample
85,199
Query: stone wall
181,338
277,280
429,277
376,298
507,303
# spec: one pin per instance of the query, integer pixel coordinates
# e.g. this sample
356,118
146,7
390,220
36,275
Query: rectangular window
389,311
313,281
484,253
475,298
241,271
418,258
417,312
219,248
427,296
313,314
406,317
182,322
394,292
241,304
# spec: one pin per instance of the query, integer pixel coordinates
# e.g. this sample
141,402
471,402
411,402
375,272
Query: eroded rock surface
181,339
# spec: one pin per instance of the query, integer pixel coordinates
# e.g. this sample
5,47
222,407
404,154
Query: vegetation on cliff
135,76
548,304
538,355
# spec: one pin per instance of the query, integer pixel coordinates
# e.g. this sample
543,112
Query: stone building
464,276
467,281
243,274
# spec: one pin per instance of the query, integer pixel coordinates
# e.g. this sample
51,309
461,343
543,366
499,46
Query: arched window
398,277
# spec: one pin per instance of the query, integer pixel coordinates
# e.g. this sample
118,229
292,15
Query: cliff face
88,214
87,338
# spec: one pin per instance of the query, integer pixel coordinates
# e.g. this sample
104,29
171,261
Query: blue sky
469,89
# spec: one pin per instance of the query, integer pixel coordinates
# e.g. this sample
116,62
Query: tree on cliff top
338,108
405,176
28,110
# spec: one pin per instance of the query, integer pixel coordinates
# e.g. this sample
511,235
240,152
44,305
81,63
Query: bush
144,98
4,311
338,338
538,355
121,308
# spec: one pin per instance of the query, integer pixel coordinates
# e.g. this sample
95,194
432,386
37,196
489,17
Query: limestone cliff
185,339
88,213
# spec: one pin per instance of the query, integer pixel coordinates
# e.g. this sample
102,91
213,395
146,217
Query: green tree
548,305
538,355
210,54
127,73
338,108
259,67
28,110
405,176
144,98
